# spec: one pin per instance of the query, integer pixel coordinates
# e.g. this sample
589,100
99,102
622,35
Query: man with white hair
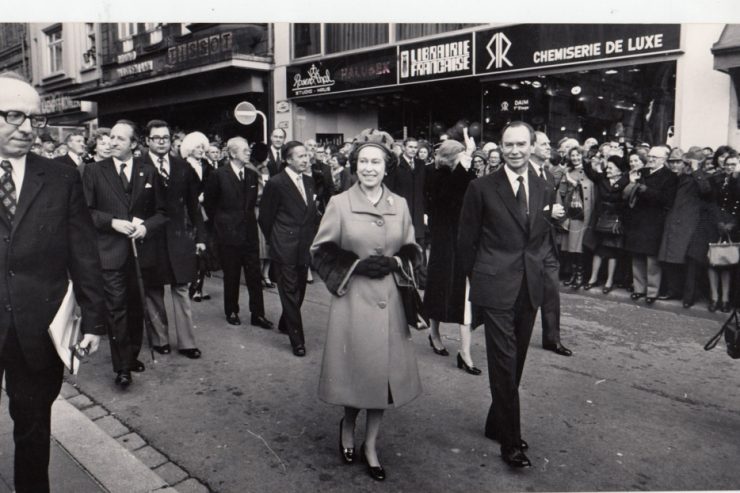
53,240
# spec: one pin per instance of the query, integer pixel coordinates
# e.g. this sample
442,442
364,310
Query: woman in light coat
369,360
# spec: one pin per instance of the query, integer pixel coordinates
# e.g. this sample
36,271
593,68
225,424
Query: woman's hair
481,155
92,143
426,145
497,151
190,142
341,158
641,155
568,162
447,153
721,150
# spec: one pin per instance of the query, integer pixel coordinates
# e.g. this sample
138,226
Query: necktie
7,190
521,197
241,176
299,184
124,181
163,172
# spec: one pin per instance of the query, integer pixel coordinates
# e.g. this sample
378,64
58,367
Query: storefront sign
284,125
282,106
340,74
528,46
514,105
436,59
208,47
129,56
57,103
135,68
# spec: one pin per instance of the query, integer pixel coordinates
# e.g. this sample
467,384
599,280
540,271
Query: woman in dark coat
609,183
444,297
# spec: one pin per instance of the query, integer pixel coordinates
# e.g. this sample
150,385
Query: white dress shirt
127,171
297,180
19,172
165,164
514,180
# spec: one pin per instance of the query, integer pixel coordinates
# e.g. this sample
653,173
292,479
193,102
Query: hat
481,155
376,138
259,152
695,154
676,154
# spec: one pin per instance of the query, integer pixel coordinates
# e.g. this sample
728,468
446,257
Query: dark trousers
233,260
30,396
291,281
681,280
551,302
507,339
125,315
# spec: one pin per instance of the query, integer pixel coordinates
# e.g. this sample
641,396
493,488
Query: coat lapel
359,204
293,189
536,198
32,183
138,177
237,185
507,196
109,171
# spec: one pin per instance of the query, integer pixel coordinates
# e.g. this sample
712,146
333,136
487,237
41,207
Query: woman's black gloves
376,266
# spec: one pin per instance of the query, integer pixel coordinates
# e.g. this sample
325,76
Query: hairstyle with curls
720,150
98,134
190,142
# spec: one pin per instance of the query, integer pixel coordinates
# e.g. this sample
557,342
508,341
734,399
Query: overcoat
683,218
653,198
368,351
572,241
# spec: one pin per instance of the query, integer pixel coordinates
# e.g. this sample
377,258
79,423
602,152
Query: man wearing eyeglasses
651,192
47,237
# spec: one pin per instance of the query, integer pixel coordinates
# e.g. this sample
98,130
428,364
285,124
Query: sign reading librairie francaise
435,59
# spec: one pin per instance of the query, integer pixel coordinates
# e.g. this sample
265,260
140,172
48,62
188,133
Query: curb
111,452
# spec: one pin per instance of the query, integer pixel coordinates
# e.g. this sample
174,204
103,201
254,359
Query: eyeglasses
18,117
161,139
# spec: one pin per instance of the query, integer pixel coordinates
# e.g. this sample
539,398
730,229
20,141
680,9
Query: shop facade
576,80
191,75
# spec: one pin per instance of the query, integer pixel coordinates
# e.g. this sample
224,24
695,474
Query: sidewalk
84,458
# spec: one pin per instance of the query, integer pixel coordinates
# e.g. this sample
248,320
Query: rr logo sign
498,47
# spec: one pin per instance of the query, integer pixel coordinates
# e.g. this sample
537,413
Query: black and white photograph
234,236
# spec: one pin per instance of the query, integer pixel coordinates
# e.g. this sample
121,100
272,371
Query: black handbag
609,223
413,307
731,330
575,203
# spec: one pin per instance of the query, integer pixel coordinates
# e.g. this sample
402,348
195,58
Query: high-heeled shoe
377,473
606,289
348,454
461,364
441,352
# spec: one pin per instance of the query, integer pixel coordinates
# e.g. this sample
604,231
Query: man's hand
91,342
200,247
558,212
123,226
139,232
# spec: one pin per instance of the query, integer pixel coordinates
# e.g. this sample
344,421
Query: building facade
14,55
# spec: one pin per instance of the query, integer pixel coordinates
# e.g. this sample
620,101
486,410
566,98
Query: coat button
8,308
11,273
379,222
382,305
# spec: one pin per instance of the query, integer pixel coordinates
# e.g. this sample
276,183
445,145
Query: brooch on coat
390,201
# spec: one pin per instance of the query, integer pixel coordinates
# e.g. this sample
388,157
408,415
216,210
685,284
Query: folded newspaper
65,330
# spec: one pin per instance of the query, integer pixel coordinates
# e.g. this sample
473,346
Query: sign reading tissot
529,46
346,73
436,59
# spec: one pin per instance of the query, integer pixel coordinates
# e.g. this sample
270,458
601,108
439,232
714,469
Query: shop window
306,40
88,56
127,30
417,30
54,50
351,36
155,31
634,102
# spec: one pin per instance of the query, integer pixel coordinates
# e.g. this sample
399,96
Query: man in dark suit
503,239
550,310
177,243
230,199
288,221
48,238
407,180
75,156
275,161
126,202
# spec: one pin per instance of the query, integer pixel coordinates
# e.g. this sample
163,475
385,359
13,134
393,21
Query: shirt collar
155,159
235,168
514,178
118,162
293,175
17,162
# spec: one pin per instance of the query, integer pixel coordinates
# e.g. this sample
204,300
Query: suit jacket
185,222
274,166
410,184
107,201
70,162
498,245
287,222
51,240
654,194
230,205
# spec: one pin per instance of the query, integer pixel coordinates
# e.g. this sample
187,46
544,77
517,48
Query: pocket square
547,208
148,185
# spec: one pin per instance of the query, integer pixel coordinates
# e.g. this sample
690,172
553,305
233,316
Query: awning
726,50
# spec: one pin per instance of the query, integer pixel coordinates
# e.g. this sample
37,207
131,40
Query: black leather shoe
441,352
138,366
162,349
558,349
193,353
687,304
636,296
461,364
650,300
299,351
515,457
205,297
492,436
724,307
348,454
588,286
712,306
377,473
123,379
607,289
233,319
261,321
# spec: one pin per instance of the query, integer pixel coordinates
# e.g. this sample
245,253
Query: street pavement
640,406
